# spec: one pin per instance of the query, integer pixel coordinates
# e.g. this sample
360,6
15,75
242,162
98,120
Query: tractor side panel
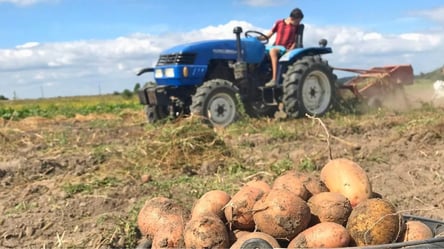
253,50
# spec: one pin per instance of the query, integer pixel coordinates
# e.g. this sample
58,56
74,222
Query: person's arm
269,34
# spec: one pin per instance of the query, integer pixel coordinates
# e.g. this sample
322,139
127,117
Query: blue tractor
214,78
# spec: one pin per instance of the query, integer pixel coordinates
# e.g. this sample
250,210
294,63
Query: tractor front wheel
155,113
308,87
217,102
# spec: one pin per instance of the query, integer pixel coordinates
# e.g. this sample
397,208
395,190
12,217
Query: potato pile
297,210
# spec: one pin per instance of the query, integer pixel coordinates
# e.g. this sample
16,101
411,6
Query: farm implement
375,84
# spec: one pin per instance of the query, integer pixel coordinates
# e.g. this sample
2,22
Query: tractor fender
298,53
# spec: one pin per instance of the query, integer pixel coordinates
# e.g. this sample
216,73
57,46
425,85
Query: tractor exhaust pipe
238,31
240,67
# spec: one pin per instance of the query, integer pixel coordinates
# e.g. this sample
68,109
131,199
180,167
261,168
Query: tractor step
269,94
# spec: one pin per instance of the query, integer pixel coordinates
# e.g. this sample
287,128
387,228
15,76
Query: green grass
75,188
307,164
67,106
21,207
279,132
281,166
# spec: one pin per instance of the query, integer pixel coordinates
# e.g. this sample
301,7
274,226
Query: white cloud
355,48
27,45
78,67
436,14
71,64
26,2
263,3
77,53
224,31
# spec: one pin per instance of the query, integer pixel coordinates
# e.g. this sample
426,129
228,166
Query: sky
51,48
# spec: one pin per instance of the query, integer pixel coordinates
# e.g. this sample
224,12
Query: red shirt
285,33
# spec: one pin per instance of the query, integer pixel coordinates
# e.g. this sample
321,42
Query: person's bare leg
274,53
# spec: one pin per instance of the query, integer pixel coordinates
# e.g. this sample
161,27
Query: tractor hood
204,51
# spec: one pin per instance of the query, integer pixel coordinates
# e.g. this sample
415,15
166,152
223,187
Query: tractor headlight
169,72
158,73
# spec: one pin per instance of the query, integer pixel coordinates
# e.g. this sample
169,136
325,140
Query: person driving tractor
286,31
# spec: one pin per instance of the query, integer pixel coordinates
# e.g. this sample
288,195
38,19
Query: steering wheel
258,35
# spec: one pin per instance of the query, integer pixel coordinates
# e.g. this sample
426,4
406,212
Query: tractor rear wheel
308,87
217,102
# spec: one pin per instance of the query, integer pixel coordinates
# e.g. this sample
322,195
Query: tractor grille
182,58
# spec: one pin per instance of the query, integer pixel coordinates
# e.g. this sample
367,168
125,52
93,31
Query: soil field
80,181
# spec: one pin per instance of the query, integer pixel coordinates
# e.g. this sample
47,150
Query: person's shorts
282,49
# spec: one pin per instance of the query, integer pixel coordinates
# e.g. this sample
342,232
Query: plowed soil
79,182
